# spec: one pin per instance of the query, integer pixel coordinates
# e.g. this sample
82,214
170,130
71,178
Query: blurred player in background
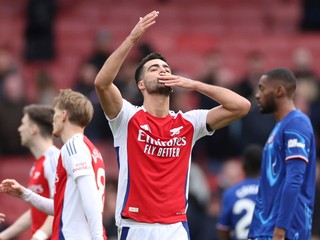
80,181
238,201
154,144
36,134
285,200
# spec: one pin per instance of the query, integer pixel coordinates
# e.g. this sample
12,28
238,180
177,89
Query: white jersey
78,212
154,163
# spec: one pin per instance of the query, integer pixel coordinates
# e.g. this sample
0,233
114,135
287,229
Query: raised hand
143,24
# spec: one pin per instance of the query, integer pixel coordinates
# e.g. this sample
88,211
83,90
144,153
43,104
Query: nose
162,71
257,95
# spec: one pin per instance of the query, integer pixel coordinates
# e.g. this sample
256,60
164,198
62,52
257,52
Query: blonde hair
79,108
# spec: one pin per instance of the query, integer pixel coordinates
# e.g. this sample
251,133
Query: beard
270,106
159,89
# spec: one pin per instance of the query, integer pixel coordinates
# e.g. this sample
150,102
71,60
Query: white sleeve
92,205
199,120
50,168
41,203
79,163
120,122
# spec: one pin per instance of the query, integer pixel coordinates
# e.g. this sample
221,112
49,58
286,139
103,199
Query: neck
283,110
157,105
40,146
69,131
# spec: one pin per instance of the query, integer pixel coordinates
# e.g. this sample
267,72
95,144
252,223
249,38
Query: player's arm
13,188
19,226
232,105
296,164
295,171
223,224
92,204
45,231
109,95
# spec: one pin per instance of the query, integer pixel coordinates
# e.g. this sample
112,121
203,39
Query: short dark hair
252,160
286,76
148,58
42,116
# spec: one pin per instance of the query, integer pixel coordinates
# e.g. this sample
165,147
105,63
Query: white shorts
176,231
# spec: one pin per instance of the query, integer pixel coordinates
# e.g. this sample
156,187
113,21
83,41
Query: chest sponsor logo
162,148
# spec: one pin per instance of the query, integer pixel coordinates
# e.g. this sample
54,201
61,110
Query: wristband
40,235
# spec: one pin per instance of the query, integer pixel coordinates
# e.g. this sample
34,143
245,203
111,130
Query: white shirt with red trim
80,191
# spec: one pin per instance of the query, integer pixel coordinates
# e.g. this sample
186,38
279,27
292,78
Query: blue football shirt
291,138
237,208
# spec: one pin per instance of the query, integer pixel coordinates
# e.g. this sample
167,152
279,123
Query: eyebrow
158,65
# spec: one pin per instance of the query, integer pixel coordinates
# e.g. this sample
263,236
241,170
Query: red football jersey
154,159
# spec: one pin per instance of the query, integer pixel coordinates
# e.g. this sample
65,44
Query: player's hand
279,234
176,81
12,187
143,24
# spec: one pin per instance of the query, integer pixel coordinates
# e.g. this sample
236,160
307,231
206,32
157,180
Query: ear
280,91
34,128
64,115
141,85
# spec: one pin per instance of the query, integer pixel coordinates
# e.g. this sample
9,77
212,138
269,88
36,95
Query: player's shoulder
250,185
52,154
74,145
297,116
297,120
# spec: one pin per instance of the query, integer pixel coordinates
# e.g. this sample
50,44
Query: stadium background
186,32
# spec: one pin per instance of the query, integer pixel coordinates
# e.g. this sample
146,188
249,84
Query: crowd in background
217,161
217,158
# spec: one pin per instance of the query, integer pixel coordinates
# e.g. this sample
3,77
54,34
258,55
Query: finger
150,17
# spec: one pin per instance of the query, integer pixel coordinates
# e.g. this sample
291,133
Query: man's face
25,130
265,95
152,70
57,122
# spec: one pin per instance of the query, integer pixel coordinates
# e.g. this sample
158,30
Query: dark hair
148,58
42,116
286,76
252,160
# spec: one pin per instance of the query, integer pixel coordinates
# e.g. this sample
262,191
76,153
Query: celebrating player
153,143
